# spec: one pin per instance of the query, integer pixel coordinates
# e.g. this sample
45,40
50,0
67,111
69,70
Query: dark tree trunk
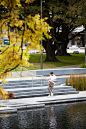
62,51
50,52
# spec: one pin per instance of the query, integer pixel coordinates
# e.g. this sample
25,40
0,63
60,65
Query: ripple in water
61,116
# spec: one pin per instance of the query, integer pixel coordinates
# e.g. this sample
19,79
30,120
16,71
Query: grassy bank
74,59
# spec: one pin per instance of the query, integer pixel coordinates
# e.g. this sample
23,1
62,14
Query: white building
78,40
76,45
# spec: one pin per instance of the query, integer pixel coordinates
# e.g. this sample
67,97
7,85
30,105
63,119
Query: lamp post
85,44
41,42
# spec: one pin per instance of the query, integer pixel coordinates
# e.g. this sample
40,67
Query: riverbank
13,105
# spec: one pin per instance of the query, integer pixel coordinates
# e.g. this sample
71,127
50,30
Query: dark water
62,116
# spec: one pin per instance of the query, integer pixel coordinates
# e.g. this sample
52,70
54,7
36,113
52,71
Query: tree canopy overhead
23,17
64,16
25,28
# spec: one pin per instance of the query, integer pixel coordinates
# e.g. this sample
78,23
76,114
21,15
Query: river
60,116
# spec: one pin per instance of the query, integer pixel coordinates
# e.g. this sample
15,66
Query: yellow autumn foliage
32,30
3,93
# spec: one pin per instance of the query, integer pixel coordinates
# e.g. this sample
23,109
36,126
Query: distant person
52,79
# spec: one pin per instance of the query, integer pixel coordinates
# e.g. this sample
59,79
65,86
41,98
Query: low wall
66,71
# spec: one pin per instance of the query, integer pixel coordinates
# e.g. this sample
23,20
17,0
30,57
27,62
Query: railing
30,74
42,76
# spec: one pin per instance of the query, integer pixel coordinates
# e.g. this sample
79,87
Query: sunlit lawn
74,59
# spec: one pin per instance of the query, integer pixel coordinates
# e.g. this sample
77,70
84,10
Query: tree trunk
50,52
63,50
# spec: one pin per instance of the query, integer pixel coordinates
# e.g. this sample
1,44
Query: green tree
64,16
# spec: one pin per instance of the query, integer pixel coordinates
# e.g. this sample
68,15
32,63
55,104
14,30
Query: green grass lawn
74,59
35,59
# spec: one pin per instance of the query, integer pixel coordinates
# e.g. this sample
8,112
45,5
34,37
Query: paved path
69,66
13,105
20,74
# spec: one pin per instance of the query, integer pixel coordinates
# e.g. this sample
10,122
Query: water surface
61,116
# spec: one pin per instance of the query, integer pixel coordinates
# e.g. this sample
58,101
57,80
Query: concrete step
37,87
41,91
27,85
28,80
32,83
46,94
58,87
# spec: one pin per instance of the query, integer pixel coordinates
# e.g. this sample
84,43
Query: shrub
66,81
77,81
77,85
82,66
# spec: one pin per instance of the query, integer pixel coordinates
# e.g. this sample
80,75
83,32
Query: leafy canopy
28,29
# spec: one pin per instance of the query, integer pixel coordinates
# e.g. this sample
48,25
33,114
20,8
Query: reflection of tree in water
22,120
8,121
76,115
52,118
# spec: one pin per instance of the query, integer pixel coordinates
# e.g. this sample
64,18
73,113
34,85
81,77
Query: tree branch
76,35
53,33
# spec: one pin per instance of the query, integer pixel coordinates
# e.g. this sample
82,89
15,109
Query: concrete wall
67,71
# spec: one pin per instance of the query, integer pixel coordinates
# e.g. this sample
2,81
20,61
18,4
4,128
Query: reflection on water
52,118
4,115
61,116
